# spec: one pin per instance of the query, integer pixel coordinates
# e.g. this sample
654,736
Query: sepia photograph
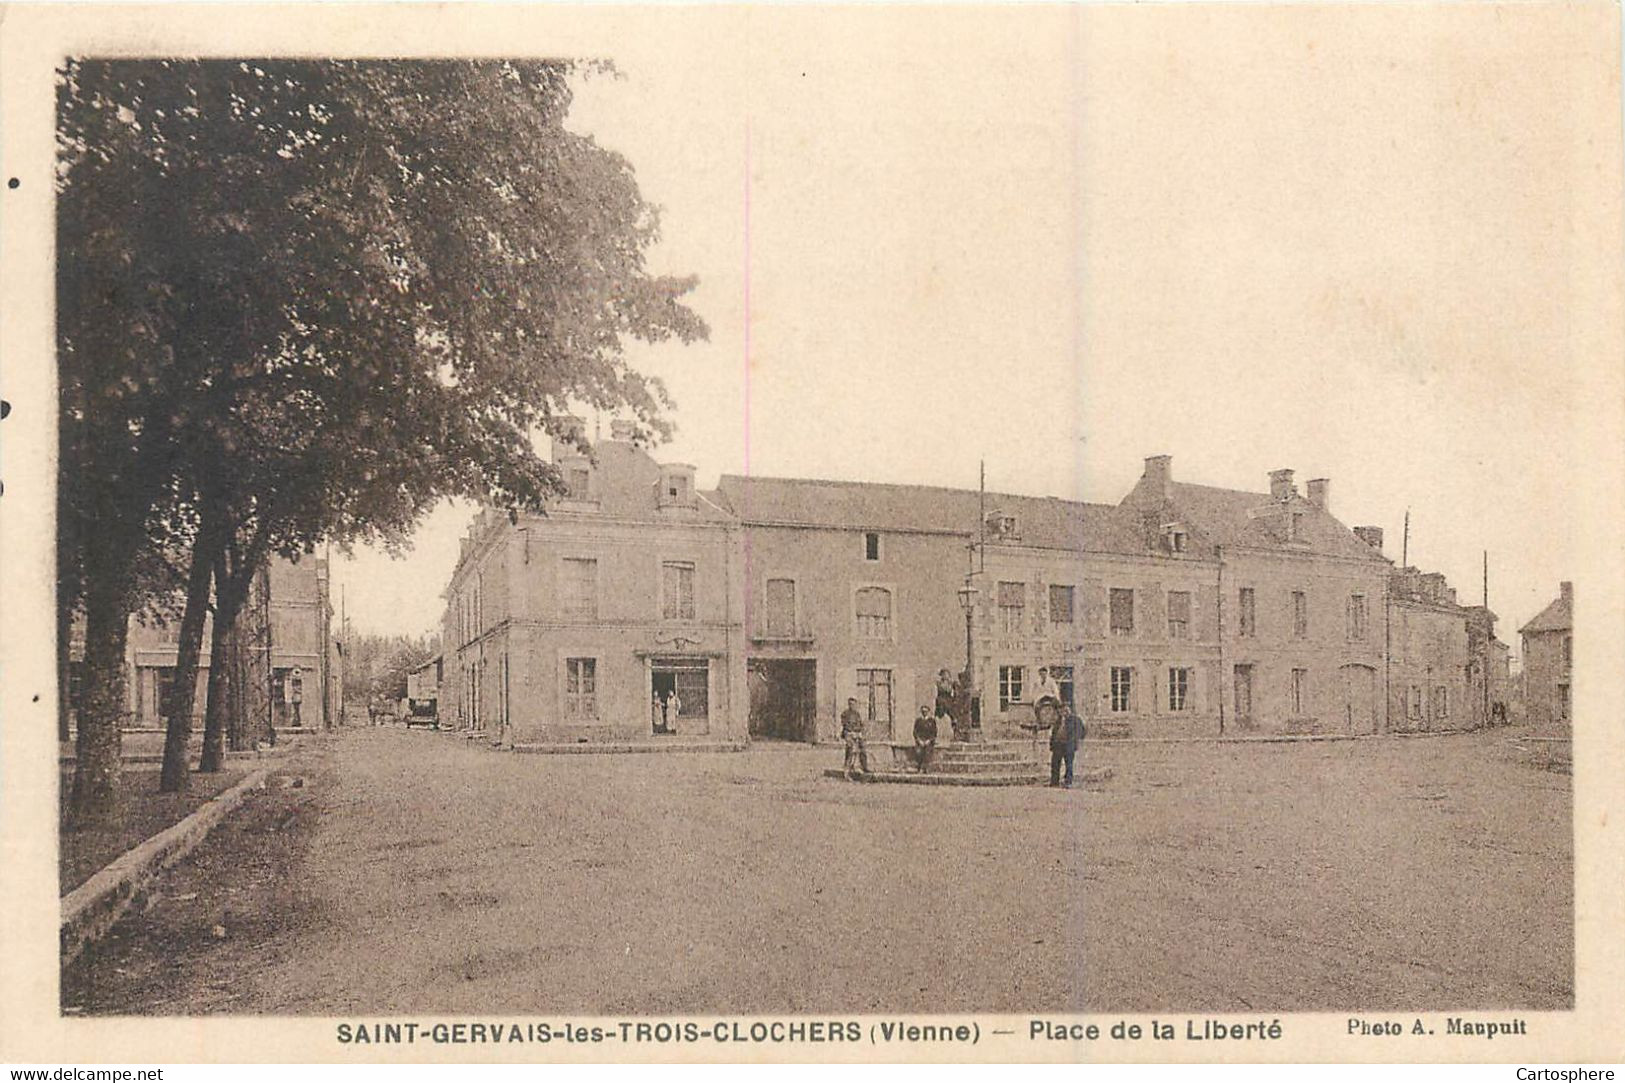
790,532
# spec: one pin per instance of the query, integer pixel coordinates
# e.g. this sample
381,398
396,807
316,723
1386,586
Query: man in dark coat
925,737
1064,737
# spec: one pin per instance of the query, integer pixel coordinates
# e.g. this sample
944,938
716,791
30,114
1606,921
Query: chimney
1371,535
1565,590
623,430
1320,493
1281,487
1159,474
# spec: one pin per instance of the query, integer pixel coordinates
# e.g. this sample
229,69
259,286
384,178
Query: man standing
925,737
852,734
1064,737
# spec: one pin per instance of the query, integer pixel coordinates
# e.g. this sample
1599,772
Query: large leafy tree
306,299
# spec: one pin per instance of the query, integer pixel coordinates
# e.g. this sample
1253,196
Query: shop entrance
679,700
783,698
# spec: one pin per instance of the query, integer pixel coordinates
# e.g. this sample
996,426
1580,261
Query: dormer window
1294,526
1175,538
676,486
871,546
1003,525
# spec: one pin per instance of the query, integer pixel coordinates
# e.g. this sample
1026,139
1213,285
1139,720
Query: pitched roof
1557,617
1043,522
1229,517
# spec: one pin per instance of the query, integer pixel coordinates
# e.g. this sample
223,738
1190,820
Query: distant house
423,687
1548,656
289,659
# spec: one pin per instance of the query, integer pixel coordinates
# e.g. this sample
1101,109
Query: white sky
1345,243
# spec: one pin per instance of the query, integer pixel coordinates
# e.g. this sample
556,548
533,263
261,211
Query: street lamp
967,602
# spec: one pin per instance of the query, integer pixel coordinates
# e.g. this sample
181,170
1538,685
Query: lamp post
967,601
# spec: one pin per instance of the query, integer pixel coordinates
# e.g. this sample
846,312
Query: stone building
1548,659
288,618
1182,610
1428,655
618,615
1299,601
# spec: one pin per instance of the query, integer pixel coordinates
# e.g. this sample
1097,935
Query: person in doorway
1064,738
925,738
852,735
674,708
657,714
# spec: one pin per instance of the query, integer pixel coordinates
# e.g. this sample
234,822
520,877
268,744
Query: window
1441,702
1122,689
871,546
1357,617
1060,605
1010,681
781,607
677,590
1248,617
1122,611
693,691
1300,682
875,694
1179,614
1244,691
165,676
581,688
1413,705
576,482
580,593
1300,614
1063,680
1294,527
1568,653
1012,606
1176,539
874,613
677,489
1179,683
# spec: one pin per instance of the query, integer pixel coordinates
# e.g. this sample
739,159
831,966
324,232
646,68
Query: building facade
616,616
1182,610
1548,663
290,658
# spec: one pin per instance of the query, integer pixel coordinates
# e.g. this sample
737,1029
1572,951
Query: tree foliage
303,300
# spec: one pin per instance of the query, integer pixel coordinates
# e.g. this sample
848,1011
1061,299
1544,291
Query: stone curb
92,908
291,742
1268,739
625,747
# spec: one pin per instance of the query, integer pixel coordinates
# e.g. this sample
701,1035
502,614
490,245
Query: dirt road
414,873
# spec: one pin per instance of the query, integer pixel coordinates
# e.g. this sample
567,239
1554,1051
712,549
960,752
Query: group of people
665,709
1066,728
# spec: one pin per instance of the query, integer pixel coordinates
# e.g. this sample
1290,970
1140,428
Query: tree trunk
229,594
178,727
102,703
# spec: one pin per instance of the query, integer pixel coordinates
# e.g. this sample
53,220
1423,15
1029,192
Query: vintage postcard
890,533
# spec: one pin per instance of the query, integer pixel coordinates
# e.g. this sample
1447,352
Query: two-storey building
1548,663
617,615
1300,601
